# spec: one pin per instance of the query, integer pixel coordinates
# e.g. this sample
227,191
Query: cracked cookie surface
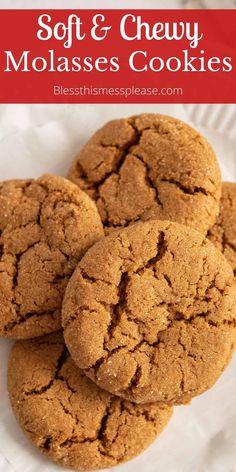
149,313
150,166
223,233
46,225
68,417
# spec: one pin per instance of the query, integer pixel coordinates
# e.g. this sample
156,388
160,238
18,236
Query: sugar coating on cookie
223,233
150,166
68,417
150,313
46,225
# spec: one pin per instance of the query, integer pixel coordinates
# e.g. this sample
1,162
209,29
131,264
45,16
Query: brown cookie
46,225
68,417
150,313
223,233
150,166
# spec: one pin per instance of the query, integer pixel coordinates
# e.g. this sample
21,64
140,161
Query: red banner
117,56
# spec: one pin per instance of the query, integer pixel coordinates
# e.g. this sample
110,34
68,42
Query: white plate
226,4
219,3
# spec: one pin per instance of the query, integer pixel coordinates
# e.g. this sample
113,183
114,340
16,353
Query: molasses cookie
223,233
46,225
68,417
150,313
150,167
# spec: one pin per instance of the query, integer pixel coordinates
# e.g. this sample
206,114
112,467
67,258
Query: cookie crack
24,318
134,382
123,151
118,307
183,379
195,190
162,248
100,435
105,445
59,364
46,445
149,180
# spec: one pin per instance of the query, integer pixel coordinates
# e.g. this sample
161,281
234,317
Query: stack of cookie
148,311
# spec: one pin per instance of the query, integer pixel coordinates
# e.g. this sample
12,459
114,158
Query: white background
39,138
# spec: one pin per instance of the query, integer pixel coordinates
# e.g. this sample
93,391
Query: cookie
46,225
68,417
150,313
223,233
150,166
